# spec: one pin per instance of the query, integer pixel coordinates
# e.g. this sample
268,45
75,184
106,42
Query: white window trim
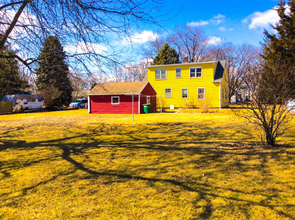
180,73
118,100
196,72
198,93
148,100
182,93
161,74
165,93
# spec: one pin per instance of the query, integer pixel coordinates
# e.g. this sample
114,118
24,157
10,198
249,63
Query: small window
196,72
178,73
115,100
201,94
223,93
184,93
168,93
226,94
148,100
161,74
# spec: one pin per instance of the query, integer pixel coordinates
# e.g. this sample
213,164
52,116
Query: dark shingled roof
219,71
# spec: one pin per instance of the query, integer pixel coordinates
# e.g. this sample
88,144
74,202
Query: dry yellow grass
71,165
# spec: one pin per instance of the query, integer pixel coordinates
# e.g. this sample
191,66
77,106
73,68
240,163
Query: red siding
148,91
101,104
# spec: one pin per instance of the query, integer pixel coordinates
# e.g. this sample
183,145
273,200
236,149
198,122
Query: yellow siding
212,90
224,85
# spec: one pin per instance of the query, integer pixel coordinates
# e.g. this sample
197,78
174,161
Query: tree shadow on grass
212,148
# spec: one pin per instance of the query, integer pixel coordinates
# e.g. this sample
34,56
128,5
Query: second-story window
178,73
161,74
196,72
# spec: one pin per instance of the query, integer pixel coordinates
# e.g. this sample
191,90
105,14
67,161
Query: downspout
138,103
132,106
220,96
88,104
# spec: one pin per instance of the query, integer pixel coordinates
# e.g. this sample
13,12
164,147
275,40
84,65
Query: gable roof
118,88
219,71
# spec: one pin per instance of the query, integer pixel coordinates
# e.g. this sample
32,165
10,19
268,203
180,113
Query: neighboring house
27,101
121,98
191,84
242,94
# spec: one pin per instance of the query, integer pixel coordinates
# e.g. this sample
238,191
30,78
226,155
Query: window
161,74
184,93
148,100
178,73
168,93
115,100
196,72
226,94
201,94
223,94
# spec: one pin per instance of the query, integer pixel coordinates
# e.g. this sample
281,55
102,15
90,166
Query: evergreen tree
54,71
279,47
11,81
166,55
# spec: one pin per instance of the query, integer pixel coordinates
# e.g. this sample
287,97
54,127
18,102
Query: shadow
169,146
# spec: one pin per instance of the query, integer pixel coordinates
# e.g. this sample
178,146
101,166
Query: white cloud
219,16
198,23
25,19
222,29
231,29
263,19
82,47
217,19
214,40
141,38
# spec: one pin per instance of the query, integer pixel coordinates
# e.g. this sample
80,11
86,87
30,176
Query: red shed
118,98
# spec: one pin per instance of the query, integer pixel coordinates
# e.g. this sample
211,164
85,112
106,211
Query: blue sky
237,21
235,25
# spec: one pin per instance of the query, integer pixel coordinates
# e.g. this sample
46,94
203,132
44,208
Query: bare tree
84,27
80,85
189,42
239,58
269,91
152,47
50,93
132,72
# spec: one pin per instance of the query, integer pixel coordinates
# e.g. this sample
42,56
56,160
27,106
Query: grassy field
71,165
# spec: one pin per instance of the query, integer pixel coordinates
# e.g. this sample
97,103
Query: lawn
71,165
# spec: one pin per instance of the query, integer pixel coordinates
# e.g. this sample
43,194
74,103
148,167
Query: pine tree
11,81
166,55
54,71
279,47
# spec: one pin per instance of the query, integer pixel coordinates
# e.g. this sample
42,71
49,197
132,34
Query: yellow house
190,84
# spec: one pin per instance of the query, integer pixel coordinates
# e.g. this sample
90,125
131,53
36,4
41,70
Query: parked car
79,103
